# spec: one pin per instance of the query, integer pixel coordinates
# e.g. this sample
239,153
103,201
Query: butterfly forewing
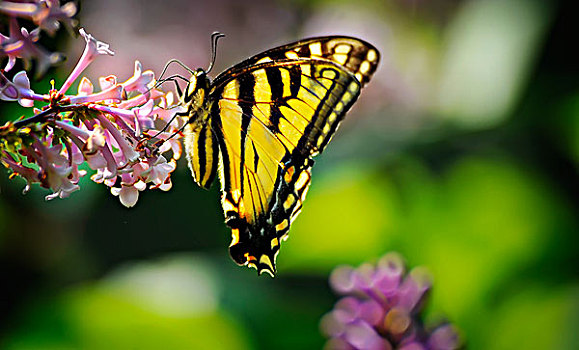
273,117
354,55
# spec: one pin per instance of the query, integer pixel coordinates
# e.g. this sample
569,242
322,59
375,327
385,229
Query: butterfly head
199,83
196,87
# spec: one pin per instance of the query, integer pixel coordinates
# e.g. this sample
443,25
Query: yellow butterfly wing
266,118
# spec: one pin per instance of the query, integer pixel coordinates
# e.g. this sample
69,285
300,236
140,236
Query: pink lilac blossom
126,132
381,308
46,15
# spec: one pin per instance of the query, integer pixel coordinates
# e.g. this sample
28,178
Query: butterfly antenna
173,60
215,36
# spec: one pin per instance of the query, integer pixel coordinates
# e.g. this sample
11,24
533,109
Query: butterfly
260,123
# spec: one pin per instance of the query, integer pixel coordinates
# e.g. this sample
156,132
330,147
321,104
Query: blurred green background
461,154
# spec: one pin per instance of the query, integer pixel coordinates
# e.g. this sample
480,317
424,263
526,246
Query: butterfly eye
202,79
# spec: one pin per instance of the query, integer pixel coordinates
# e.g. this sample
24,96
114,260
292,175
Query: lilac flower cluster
121,132
21,43
380,310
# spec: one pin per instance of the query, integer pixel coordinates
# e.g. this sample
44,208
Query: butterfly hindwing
257,244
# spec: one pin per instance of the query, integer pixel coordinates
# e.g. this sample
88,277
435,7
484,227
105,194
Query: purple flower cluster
121,132
381,310
22,43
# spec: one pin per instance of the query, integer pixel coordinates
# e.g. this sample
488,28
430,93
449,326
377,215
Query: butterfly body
259,124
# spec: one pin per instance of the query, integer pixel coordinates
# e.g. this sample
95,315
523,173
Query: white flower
128,195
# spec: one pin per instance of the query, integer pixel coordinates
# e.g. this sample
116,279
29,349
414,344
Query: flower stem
45,114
